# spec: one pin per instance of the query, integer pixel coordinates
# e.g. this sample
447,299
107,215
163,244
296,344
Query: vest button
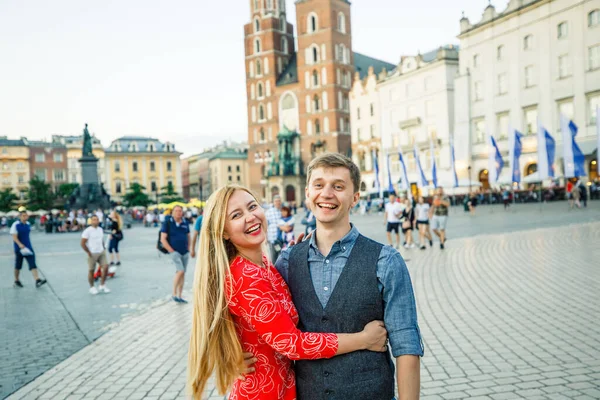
328,392
326,373
324,319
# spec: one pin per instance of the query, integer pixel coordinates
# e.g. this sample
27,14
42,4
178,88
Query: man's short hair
177,206
94,216
335,160
276,197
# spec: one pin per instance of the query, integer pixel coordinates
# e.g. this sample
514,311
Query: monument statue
87,143
91,194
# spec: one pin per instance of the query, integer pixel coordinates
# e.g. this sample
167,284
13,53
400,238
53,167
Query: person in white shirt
393,211
100,216
423,211
92,242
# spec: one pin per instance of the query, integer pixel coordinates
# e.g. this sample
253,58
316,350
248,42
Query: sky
168,69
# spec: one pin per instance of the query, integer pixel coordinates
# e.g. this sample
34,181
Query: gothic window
257,46
284,45
256,25
288,102
256,5
315,75
316,103
315,54
594,18
282,23
317,127
169,166
258,68
269,4
262,135
261,113
341,22
313,24
260,90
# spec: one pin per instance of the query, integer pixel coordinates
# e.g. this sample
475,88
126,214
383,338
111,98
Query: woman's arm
255,300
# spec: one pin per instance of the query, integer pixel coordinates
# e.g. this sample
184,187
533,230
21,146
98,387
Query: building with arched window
293,109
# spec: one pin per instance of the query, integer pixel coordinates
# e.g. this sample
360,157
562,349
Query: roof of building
229,155
290,73
41,143
142,145
4,141
362,64
490,14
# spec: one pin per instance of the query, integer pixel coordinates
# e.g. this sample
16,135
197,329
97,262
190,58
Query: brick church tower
298,101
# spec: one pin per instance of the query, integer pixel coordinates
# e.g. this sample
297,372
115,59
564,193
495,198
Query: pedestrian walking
506,198
175,238
273,215
392,214
286,227
21,231
422,211
116,235
439,215
196,235
408,224
92,242
583,192
575,196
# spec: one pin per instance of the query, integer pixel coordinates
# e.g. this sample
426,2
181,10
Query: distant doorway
290,194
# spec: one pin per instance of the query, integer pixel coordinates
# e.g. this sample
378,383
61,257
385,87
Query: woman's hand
249,361
375,336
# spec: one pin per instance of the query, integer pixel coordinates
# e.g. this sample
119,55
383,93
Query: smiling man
341,280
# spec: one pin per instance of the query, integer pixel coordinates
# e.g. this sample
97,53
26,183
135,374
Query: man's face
331,195
277,203
95,221
177,213
392,198
440,191
24,217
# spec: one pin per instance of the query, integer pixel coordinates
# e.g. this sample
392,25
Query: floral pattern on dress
265,318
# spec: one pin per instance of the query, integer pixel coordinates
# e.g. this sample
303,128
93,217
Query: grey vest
355,301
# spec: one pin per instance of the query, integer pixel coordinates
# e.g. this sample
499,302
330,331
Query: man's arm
282,263
445,201
408,375
400,317
165,242
193,243
84,246
17,241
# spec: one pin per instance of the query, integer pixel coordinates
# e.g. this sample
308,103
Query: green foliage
39,195
7,199
169,195
65,190
135,196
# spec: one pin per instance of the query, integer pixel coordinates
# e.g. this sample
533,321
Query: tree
169,194
39,195
7,199
135,196
65,190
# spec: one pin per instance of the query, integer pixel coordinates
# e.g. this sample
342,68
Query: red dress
266,319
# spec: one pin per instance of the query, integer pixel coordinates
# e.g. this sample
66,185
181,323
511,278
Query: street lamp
469,168
201,184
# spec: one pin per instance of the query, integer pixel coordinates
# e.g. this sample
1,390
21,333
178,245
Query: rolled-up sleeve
400,311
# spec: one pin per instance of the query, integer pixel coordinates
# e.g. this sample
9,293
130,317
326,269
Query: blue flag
434,179
405,183
578,156
517,149
390,183
376,169
550,151
546,152
496,162
452,165
422,181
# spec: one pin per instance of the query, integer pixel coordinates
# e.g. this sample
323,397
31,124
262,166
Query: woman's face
245,222
285,213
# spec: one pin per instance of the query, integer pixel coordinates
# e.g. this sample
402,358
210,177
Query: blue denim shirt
400,312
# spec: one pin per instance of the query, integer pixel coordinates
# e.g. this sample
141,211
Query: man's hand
193,253
301,238
375,336
249,361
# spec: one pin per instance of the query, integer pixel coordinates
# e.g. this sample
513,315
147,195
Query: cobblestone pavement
503,316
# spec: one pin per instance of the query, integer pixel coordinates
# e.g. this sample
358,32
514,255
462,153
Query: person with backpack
175,240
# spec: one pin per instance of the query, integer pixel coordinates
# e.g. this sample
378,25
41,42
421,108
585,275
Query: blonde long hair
214,343
117,218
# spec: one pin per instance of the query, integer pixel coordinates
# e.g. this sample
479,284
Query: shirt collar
346,241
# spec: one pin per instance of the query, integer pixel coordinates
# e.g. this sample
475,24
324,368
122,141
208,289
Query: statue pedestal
91,194
89,170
